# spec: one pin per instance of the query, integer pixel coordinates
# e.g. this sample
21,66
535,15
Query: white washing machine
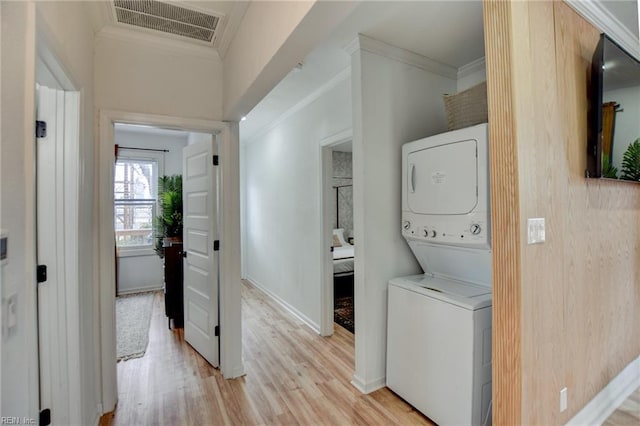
439,323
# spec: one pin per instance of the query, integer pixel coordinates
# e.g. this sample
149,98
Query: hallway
293,376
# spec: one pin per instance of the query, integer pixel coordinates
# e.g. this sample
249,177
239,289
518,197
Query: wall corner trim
610,397
602,19
381,48
368,387
472,68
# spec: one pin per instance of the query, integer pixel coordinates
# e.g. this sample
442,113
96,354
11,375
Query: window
135,199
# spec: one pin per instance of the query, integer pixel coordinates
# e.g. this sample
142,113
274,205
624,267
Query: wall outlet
535,230
563,399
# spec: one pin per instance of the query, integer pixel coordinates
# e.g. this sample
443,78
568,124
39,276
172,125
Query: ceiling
449,32
423,27
626,11
230,14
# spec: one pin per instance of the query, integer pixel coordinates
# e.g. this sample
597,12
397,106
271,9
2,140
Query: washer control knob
406,225
433,234
475,229
425,233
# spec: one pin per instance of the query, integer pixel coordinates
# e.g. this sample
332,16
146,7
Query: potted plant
631,162
169,222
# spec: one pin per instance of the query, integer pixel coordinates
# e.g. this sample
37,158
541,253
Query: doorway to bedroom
338,227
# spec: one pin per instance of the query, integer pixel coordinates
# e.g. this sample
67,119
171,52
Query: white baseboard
139,290
296,313
609,398
237,371
368,387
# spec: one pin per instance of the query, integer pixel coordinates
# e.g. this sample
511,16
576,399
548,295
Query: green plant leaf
631,162
169,222
608,169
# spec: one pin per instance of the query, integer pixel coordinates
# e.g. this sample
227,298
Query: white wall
65,28
271,39
393,103
281,187
143,77
143,271
19,379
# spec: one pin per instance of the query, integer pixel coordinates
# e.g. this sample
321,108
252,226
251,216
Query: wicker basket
467,108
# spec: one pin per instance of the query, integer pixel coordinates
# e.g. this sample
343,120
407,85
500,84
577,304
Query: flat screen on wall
613,149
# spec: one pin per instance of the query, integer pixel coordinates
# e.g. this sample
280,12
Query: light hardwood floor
293,376
627,414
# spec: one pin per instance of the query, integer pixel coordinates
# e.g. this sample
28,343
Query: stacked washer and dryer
439,323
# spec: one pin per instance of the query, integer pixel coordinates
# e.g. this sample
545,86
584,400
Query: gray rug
133,316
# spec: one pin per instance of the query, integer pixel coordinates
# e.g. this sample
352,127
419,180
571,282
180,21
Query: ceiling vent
167,18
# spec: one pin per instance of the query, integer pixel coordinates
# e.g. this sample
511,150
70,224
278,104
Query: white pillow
340,234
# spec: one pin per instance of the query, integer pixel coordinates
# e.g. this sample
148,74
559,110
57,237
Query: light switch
563,399
535,230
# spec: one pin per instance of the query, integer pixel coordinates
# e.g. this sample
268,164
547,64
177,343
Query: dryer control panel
469,231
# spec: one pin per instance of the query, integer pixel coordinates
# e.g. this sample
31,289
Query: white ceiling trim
170,45
472,67
231,23
337,79
363,42
601,18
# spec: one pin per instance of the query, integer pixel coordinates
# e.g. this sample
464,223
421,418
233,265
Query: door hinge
41,129
41,273
45,417
216,330
216,160
216,245
184,254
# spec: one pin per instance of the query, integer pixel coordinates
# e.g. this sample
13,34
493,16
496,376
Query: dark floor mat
343,312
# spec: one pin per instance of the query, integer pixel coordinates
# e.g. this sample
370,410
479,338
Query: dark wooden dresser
173,298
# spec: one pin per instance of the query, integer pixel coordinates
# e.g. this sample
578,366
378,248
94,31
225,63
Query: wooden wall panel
505,216
566,312
601,284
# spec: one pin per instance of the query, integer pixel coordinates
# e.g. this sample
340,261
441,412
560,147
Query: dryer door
443,179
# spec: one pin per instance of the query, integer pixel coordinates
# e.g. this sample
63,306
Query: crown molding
363,42
333,82
472,67
112,32
594,12
233,21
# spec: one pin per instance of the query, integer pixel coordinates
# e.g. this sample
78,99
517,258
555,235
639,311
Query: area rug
343,312
133,316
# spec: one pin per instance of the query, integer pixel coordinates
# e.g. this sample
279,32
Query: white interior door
52,330
200,194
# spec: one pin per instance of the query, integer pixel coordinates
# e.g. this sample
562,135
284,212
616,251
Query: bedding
343,252
343,259
343,266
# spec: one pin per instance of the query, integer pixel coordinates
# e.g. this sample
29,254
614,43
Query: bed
342,265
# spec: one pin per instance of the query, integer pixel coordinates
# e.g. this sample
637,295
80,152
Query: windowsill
135,252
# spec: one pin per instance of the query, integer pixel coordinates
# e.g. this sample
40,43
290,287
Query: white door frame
326,226
66,301
230,319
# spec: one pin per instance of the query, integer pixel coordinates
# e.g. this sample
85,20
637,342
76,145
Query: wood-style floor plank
293,377
628,413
